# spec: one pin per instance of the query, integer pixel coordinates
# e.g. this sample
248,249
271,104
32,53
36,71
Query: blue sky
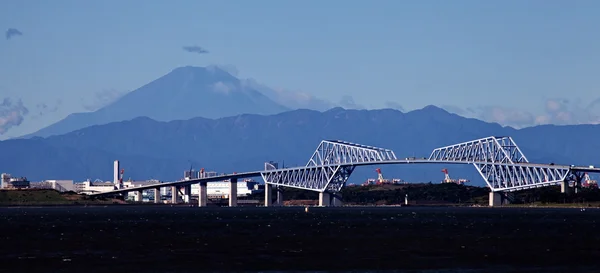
498,58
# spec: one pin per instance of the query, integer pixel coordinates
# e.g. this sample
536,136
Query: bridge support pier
499,199
233,192
202,195
564,187
174,193
577,179
336,199
268,195
495,199
187,193
279,196
578,182
139,196
324,199
157,195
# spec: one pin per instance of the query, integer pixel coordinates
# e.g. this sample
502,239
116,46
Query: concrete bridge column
174,193
202,195
233,192
336,199
577,184
157,195
508,197
279,196
324,199
495,199
268,195
187,193
139,196
564,187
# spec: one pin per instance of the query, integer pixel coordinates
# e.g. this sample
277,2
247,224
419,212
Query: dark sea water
192,239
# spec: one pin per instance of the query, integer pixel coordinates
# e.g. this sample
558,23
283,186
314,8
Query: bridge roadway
252,174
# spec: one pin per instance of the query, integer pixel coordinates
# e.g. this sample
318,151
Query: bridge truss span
337,152
330,166
520,176
502,164
499,161
490,149
317,178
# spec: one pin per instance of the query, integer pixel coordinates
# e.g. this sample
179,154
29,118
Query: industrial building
89,187
58,185
216,189
220,189
9,182
98,186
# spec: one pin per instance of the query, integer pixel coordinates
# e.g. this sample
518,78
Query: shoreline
444,196
549,206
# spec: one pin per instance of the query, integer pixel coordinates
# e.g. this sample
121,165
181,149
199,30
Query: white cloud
394,105
563,111
224,88
348,102
11,114
287,98
557,111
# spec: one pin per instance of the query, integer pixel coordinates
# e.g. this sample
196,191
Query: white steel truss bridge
498,160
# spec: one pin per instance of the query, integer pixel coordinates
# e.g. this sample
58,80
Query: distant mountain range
206,117
163,150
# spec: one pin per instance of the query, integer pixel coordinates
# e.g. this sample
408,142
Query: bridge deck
387,162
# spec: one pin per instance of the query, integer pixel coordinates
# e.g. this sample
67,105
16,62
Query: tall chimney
116,173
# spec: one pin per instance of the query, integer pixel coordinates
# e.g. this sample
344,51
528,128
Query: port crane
379,176
121,178
447,178
381,181
588,182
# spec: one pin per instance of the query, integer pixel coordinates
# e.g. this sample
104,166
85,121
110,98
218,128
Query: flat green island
38,197
449,194
418,194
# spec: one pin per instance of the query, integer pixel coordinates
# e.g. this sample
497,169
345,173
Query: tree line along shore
426,194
